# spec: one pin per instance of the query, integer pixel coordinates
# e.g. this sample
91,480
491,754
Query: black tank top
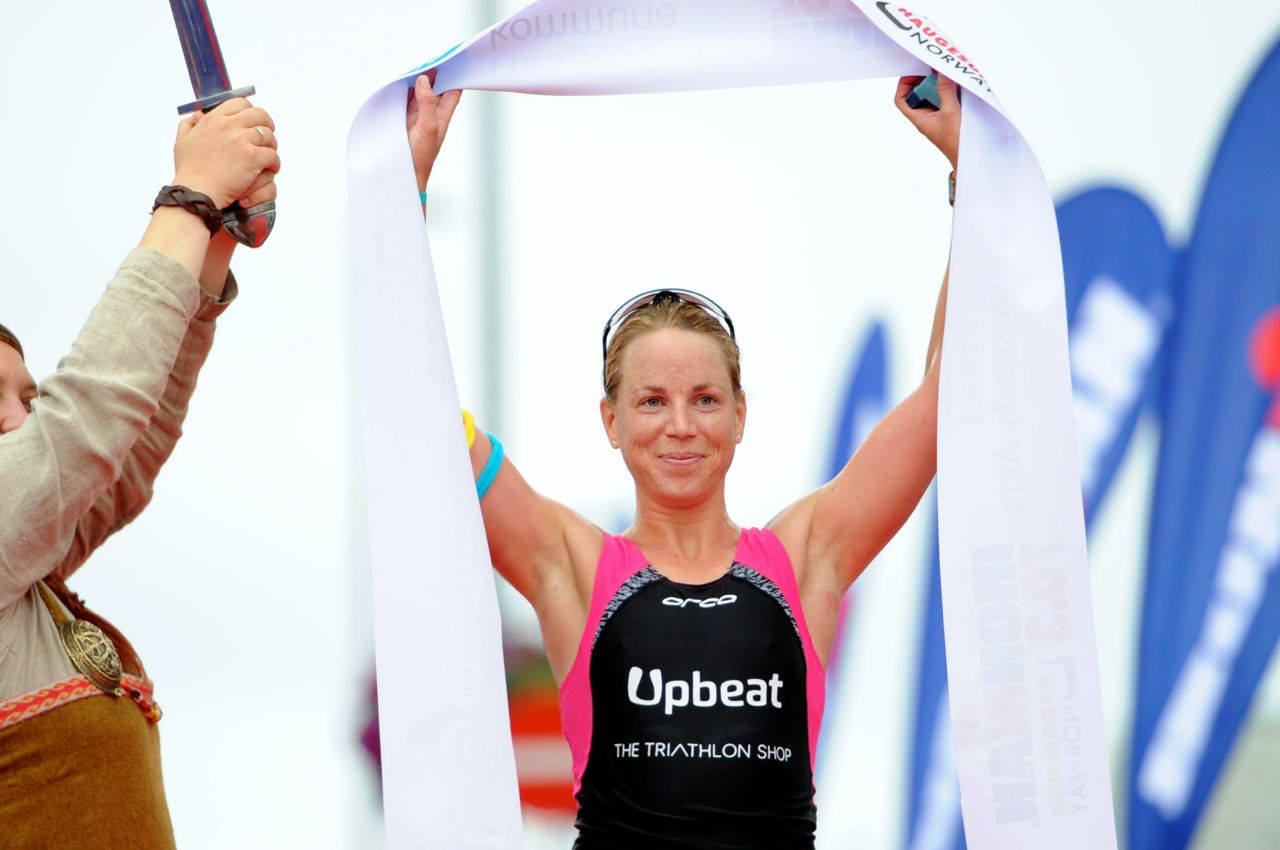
700,726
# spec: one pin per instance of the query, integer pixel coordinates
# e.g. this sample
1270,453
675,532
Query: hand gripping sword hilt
249,226
211,85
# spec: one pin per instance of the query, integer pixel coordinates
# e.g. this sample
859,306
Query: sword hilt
212,86
204,104
250,226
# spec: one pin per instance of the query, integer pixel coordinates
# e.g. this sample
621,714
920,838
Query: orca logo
884,7
685,602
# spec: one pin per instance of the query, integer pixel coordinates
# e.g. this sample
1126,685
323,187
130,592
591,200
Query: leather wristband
196,203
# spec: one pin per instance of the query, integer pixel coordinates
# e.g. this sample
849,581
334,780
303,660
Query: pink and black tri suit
692,711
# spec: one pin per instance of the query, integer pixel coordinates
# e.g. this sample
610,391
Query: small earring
615,443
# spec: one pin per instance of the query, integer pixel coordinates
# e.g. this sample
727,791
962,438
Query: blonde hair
680,315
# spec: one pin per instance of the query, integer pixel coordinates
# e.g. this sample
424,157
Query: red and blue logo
1264,360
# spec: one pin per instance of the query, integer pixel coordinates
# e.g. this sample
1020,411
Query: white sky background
804,210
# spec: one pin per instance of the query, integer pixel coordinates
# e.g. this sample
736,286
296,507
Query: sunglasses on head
662,296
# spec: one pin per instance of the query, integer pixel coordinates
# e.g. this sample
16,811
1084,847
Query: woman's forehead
13,371
673,355
673,344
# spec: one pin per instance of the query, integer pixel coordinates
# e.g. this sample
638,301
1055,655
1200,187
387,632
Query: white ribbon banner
1021,656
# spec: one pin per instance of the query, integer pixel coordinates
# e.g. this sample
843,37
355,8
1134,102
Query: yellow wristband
469,424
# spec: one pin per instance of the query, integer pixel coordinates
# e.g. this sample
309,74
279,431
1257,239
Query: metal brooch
92,653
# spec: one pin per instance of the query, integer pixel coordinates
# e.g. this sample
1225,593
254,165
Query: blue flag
866,400
1118,270
1211,607
933,798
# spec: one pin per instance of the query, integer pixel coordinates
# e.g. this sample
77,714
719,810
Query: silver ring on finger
262,135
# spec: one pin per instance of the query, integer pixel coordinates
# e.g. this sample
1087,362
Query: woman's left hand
940,126
428,120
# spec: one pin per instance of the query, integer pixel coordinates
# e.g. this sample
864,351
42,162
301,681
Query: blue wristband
423,197
490,470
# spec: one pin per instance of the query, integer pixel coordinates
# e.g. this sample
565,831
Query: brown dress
81,769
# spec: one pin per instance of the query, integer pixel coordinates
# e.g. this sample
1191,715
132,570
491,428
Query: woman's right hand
228,153
428,120
939,126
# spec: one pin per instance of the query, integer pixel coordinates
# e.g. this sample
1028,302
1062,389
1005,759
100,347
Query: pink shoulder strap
761,550
619,560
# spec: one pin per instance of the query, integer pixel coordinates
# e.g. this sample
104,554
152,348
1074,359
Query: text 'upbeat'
703,693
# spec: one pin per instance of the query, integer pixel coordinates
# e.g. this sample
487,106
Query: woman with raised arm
79,751
689,651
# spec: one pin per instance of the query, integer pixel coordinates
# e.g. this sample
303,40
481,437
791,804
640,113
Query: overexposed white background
804,210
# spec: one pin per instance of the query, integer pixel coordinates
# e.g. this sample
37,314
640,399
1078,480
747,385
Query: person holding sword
79,452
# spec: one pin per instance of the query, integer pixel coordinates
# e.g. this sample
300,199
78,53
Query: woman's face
17,389
676,418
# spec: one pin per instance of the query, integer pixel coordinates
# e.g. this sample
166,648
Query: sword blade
205,65
210,81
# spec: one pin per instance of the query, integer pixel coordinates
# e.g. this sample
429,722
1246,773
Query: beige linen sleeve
81,464
131,492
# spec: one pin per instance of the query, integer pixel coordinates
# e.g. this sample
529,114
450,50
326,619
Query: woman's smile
681,459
